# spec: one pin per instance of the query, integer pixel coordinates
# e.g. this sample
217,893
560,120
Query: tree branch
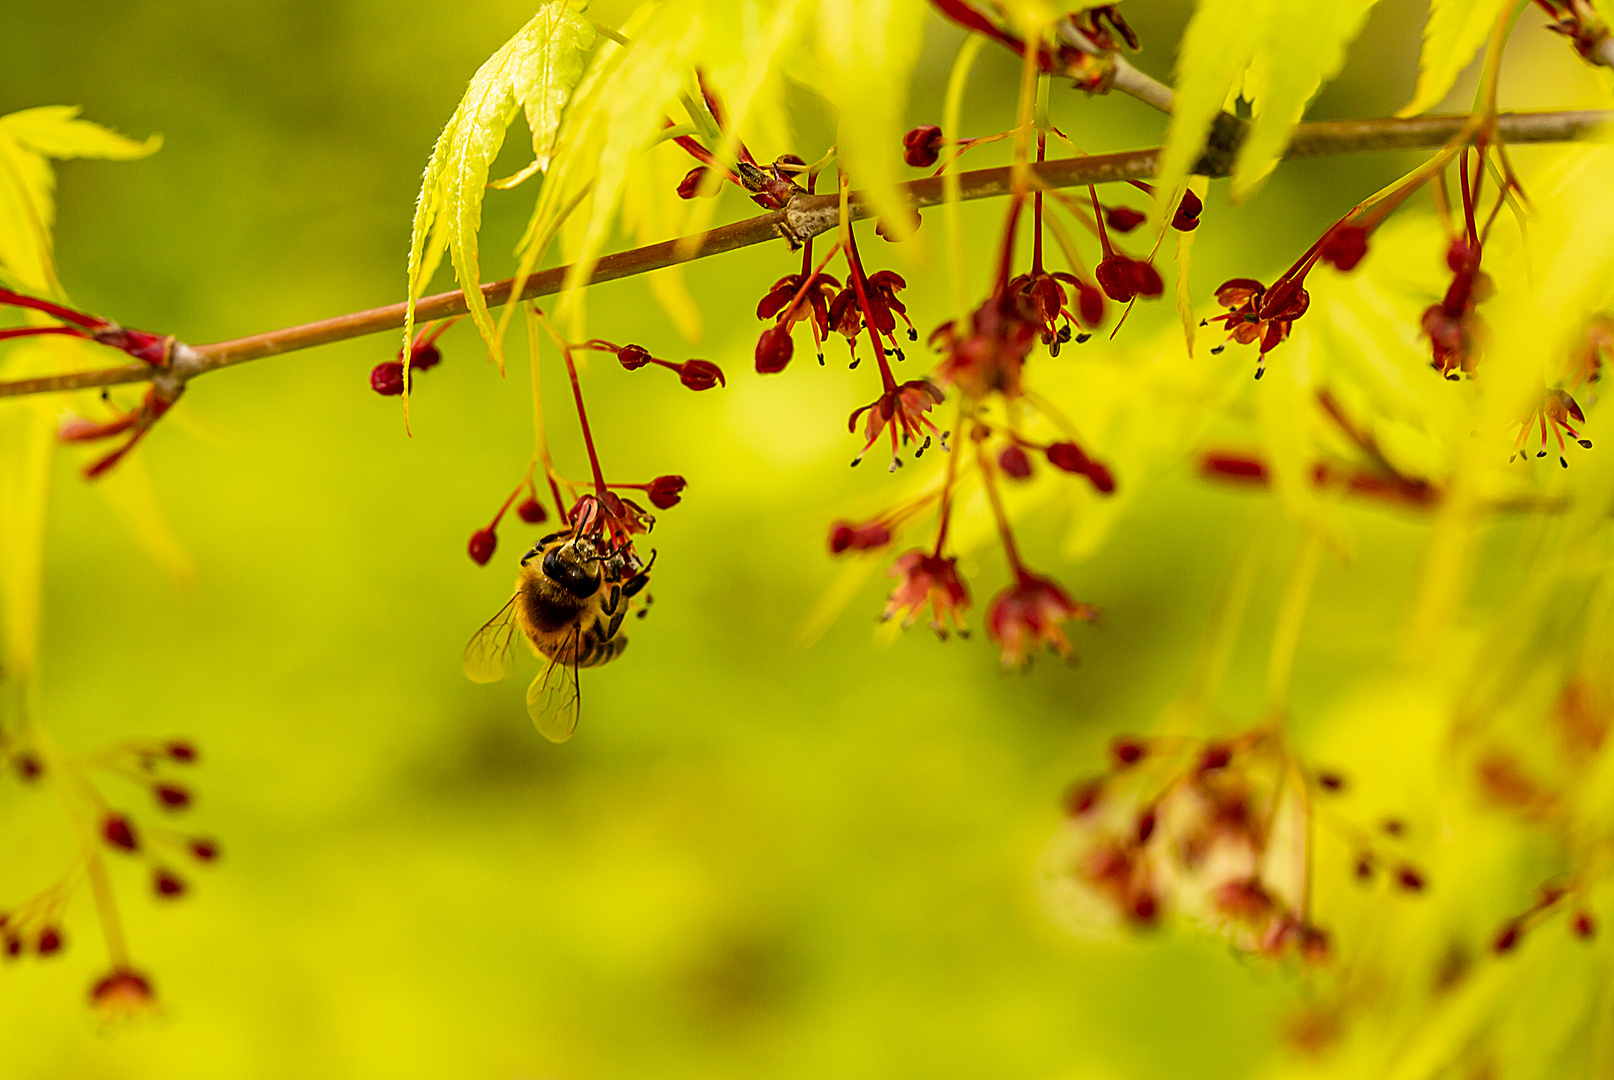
809,215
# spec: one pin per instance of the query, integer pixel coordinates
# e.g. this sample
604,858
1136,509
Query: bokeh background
756,858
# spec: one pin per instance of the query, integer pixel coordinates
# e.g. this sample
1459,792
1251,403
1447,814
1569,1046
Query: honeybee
570,599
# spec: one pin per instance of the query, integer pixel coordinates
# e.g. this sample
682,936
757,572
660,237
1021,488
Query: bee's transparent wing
487,656
553,699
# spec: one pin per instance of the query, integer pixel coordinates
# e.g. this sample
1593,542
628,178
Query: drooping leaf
1455,30
868,49
1218,45
27,438
1304,47
28,186
533,73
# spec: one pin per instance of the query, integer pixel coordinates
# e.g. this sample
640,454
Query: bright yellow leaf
1455,30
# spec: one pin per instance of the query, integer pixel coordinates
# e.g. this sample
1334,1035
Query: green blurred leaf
1455,30
534,73
28,186
1218,45
1304,47
868,49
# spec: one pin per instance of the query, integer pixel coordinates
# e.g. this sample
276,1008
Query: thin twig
810,215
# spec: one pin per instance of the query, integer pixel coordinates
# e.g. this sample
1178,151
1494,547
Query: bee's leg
613,599
635,583
616,624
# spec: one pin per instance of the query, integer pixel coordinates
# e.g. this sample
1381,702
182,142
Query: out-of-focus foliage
755,860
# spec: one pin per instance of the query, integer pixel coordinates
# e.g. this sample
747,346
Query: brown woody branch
810,215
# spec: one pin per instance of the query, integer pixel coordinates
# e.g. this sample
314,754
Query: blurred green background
754,859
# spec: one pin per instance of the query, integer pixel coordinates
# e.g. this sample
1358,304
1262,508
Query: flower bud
203,849
1089,304
1014,463
633,357
1330,781
666,491
425,358
172,796
387,379
1082,798
117,830
1126,751
483,541
532,511
1344,247
1409,879
28,767
1215,756
844,537
50,941
1186,219
181,751
1582,925
774,349
167,884
690,185
1506,938
1123,219
700,374
922,146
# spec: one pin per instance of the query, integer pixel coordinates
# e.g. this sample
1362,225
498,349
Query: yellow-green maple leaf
1303,47
1456,28
28,187
534,73
1216,48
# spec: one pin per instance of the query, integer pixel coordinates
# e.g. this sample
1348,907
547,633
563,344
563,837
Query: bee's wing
487,655
553,699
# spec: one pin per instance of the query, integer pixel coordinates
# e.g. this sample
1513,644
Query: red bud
1344,247
50,941
774,349
1186,219
117,830
690,185
700,374
181,751
1014,463
633,357
666,491
203,849
532,511
483,541
1123,219
922,146
172,796
167,884
387,379
425,358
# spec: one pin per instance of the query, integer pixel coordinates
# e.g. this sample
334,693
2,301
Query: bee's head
575,567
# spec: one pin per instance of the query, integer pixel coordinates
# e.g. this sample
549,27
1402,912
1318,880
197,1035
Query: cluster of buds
771,187
35,926
694,374
1204,829
158,351
664,492
388,378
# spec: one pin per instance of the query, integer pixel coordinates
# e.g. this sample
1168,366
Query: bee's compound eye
579,579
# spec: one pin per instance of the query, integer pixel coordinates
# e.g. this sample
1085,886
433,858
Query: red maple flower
1050,302
1256,313
1556,415
901,409
1001,334
814,301
928,579
1029,613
